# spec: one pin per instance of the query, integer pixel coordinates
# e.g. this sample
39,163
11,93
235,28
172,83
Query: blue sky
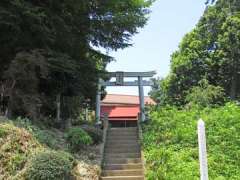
152,47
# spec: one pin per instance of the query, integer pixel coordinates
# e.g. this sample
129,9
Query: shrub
45,137
16,146
77,138
205,95
49,165
171,145
3,132
42,135
95,133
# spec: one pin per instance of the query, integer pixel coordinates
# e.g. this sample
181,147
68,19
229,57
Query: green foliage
28,151
171,146
95,133
49,50
3,132
49,165
158,92
210,51
42,134
16,147
78,138
205,94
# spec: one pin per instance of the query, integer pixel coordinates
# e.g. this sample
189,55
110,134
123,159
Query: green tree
205,95
48,53
211,51
229,53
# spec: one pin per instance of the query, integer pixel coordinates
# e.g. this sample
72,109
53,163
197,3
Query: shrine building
123,110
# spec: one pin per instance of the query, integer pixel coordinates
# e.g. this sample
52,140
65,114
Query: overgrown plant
205,94
49,165
171,144
78,138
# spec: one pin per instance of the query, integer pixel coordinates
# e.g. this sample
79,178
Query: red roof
125,107
125,99
120,112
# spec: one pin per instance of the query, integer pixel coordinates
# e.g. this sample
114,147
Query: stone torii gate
120,75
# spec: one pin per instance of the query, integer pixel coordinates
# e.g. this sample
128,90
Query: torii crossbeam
120,75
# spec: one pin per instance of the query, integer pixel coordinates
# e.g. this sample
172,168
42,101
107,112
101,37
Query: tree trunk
58,114
66,119
8,112
233,91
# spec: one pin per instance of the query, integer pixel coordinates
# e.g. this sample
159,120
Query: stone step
122,150
122,138
119,145
123,178
122,160
122,134
122,141
123,129
123,166
123,155
133,172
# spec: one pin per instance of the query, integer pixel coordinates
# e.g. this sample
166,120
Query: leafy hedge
171,147
49,165
95,133
16,145
78,138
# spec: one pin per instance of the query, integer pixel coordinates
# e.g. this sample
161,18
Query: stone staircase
122,155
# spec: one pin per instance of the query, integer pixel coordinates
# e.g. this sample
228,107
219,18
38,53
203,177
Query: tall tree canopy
210,51
47,49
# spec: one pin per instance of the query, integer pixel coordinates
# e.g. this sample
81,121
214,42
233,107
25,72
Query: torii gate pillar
141,99
98,104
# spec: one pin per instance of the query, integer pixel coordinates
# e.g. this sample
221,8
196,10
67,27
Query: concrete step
123,146
122,138
132,143
133,129
122,134
123,155
123,141
123,166
119,145
123,178
122,150
122,160
133,172
124,129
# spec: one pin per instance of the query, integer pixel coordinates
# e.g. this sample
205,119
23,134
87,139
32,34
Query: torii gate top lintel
120,75
133,74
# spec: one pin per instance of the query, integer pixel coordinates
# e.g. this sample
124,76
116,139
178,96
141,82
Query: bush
49,165
78,138
42,135
16,146
205,95
171,145
95,133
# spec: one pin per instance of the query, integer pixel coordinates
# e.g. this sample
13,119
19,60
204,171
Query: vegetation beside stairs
36,152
